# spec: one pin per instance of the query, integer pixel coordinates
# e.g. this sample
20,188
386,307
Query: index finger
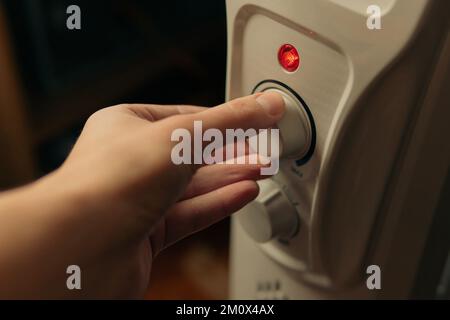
152,112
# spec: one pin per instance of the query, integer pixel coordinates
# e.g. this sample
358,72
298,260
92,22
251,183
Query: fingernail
272,103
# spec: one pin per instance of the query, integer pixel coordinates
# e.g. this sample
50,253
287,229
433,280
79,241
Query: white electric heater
365,143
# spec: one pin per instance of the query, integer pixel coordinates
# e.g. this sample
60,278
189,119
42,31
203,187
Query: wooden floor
194,269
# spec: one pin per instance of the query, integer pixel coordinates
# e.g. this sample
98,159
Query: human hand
131,201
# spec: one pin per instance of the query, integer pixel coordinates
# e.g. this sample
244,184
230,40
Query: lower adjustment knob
271,215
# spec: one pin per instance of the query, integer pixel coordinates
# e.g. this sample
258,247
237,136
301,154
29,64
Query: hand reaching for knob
118,200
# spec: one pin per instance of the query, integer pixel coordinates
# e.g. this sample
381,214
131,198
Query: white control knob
271,215
295,128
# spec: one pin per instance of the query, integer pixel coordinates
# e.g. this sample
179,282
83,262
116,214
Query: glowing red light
289,58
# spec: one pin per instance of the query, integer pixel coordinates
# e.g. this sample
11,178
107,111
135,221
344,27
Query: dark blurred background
127,51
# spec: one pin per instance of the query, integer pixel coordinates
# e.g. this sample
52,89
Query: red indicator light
289,58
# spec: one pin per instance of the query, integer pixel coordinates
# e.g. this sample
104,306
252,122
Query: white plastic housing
362,86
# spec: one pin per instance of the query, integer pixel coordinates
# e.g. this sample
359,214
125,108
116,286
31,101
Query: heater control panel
274,217
311,75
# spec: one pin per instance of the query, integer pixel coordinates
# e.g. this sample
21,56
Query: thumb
260,111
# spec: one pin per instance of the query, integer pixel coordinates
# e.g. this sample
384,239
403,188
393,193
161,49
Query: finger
259,111
196,214
213,177
153,112
239,152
